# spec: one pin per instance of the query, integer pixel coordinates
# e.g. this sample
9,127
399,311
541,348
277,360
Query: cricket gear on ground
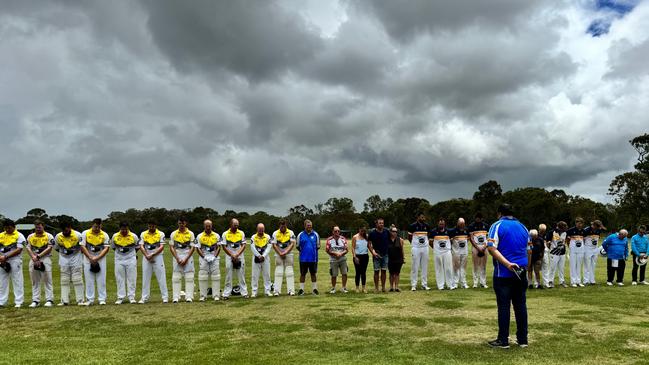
151,242
182,243
209,266
261,246
233,241
284,266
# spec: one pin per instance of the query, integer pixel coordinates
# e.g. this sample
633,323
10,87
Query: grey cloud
255,39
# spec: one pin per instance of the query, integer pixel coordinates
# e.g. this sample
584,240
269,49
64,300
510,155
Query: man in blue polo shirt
507,244
308,243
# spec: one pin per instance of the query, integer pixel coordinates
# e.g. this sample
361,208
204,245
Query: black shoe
530,286
300,292
316,292
391,290
397,290
498,344
521,344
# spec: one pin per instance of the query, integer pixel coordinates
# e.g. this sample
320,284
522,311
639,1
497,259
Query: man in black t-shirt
377,244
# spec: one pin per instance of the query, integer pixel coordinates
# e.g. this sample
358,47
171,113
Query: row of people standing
580,246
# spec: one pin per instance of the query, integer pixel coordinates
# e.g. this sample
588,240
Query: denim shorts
380,263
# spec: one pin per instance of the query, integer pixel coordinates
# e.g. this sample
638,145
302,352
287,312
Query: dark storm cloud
254,105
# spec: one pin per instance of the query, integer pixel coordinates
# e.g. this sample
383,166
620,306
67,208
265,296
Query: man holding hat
39,248
11,263
234,244
207,246
95,246
639,246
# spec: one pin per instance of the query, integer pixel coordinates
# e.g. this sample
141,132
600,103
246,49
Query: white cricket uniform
209,266
460,250
260,247
576,239
8,243
546,264
39,244
443,259
557,262
182,243
233,243
284,266
479,232
71,265
126,248
151,242
95,243
591,254
420,253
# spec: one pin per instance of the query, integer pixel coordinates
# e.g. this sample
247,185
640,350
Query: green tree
631,189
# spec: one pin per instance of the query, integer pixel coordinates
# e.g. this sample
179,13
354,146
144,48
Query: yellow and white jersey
40,243
94,242
125,246
10,242
283,239
261,245
208,242
69,248
233,240
182,240
151,241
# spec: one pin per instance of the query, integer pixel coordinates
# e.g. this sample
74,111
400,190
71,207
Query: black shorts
394,268
311,267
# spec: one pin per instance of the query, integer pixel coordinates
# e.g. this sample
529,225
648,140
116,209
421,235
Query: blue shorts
380,263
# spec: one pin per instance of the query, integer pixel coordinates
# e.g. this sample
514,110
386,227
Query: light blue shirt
361,246
639,244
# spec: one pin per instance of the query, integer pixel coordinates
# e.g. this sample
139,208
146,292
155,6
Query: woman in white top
361,257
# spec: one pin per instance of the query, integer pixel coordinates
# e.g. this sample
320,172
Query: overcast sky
264,105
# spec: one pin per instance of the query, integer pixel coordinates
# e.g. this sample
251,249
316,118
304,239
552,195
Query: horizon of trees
532,207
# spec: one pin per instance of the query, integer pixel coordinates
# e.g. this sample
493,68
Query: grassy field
593,325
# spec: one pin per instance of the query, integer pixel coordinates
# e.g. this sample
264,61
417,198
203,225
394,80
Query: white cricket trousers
180,272
590,264
459,269
444,269
241,275
557,266
44,277
71,274
479,268
262,268
126,278
419,266
92,278
576,264
545,267
284,266
15,274
157,267
207,271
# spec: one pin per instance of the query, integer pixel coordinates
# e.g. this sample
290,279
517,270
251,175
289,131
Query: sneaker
564,285
453,287
61,304
485,286
411,289
165,301
253,296
316,292
142,301
581,285
332,291
291,293
300,292
620,284
498,344
119,301
268,294
175,301
33,305
573,285
550,284
245,296
530,286
644,282
49,303
397,290
522,344
188,300
275,294
391,290
201,299
345,291
426,287
465,286
102,303
216,298
226,298
634,283
475,286
609,283
132,301
84,304
18,305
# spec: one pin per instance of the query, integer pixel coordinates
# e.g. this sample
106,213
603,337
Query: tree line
532,206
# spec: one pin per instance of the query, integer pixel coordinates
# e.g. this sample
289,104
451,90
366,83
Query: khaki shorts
340,265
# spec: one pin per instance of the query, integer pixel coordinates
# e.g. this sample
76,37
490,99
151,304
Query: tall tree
631,189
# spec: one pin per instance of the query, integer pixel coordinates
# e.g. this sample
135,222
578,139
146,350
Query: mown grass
593,325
